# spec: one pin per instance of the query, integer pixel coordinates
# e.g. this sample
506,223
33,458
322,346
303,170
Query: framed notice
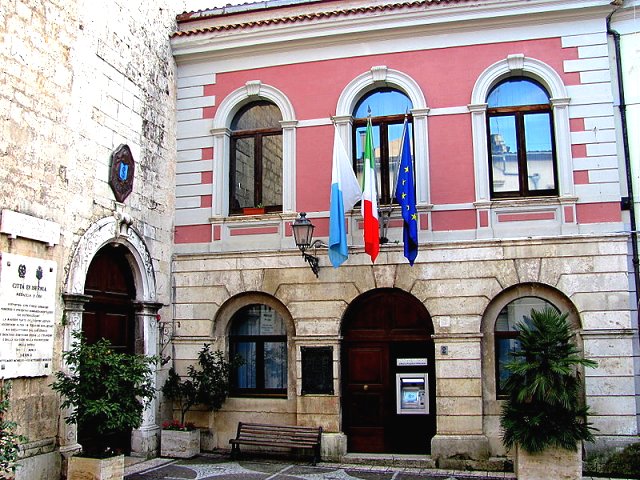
27,313
317,370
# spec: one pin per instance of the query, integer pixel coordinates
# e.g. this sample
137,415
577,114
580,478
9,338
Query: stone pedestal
556,463
333,446
179,443
84,468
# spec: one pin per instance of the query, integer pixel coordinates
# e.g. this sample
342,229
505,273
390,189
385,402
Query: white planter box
555,463
83,468
180,444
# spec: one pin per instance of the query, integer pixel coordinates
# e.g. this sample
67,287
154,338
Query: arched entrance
386,336
110,291
110,314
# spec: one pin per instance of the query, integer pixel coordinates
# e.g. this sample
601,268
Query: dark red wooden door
378,328
109,314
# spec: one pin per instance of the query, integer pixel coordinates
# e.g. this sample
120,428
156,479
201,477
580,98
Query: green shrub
107,391
207,385
610,463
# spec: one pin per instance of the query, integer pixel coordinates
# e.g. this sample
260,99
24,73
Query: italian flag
369,203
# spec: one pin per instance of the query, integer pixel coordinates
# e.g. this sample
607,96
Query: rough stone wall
77,79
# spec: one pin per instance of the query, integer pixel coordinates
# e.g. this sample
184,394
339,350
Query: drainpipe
622,107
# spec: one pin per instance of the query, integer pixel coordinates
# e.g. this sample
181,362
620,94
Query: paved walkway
220,467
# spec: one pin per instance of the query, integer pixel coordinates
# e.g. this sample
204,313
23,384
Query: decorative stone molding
382,76
118,230
251,91
519,64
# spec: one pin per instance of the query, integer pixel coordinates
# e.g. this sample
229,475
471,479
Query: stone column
72,321
145,440
460,437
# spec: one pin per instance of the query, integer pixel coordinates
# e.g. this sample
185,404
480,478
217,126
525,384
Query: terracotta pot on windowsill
253,210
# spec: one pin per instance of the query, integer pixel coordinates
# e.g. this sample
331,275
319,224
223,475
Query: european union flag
406,197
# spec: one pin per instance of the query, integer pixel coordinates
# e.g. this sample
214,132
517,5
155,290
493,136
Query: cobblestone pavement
219,467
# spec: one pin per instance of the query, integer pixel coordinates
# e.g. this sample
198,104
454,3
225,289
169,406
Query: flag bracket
384,214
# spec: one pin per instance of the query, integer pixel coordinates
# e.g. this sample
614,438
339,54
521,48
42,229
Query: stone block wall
77,79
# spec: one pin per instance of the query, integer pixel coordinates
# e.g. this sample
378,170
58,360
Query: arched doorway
110,314
386,336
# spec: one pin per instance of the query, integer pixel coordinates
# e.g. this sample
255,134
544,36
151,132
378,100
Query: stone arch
114,230
381,76
520,65
491,404
251,91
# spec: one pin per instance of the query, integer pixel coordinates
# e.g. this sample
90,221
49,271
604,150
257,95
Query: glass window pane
519,311
255,116
517,91
537,128
504,348
243,190
394,147
246,373
272,170
257,319
504,153
275,365
360,137
383,103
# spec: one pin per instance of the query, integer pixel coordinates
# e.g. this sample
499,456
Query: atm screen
409,398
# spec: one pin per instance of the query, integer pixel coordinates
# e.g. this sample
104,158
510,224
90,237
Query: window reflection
258,335
256,158
506,334
387,108
521,147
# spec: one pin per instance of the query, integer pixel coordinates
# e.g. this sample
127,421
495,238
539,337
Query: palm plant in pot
207,385
107,392
543,411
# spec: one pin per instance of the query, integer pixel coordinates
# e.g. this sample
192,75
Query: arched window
255,171
522,158
506,335
387,108
258,335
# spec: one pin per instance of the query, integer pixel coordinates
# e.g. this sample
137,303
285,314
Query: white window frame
520,65
380,77
252,91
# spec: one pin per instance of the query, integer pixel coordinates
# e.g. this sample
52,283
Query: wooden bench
281,436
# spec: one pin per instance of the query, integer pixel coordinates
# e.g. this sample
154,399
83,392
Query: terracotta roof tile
304,17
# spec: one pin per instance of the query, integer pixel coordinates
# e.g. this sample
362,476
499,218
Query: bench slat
279,436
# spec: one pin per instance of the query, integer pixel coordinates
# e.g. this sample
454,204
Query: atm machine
412,394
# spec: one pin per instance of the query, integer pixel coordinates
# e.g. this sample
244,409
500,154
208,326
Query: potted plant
543,411
207,385
9,439
107,392
257,210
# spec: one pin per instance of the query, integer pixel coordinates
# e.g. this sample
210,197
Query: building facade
135,143
519,182
80,80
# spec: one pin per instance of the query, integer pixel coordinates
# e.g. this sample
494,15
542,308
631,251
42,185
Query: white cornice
384,25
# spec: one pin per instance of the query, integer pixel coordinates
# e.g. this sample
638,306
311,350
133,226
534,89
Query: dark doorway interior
379,328
110,314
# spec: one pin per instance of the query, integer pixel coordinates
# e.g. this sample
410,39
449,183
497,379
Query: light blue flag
345,193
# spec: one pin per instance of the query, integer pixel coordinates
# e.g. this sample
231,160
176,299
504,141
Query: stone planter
180,443
84,468
556,463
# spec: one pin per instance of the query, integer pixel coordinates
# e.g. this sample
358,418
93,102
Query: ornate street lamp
303,233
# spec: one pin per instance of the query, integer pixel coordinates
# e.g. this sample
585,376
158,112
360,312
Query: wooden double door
386,332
